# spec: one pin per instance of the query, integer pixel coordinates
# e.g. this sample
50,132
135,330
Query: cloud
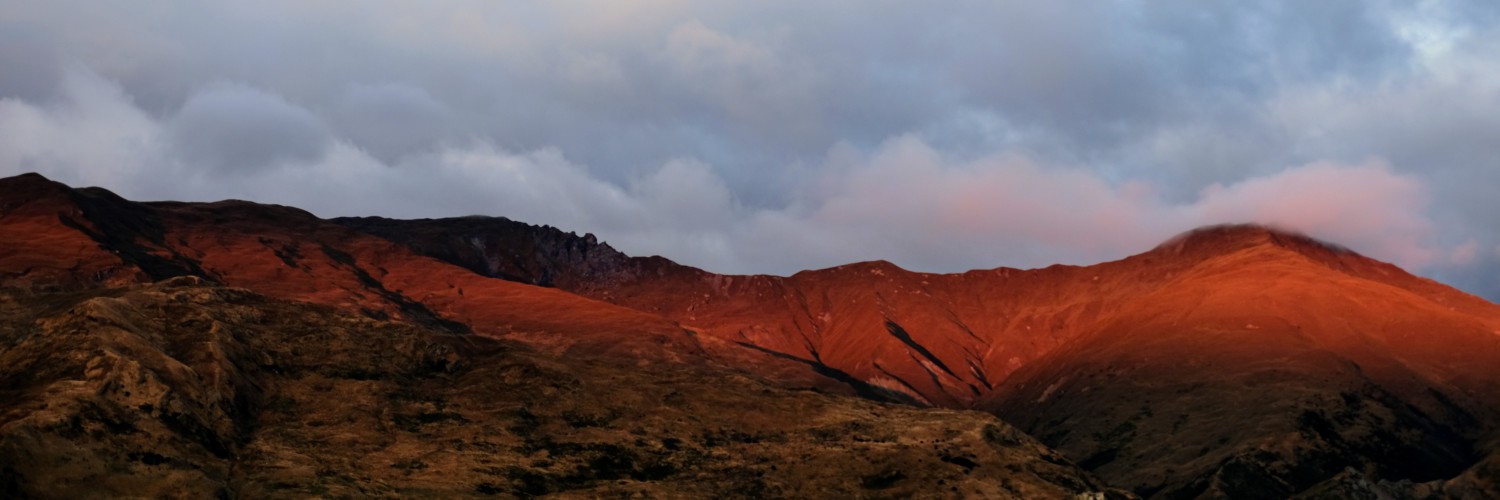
234,128
749,82
391,120
1465,254
904,201
1365,206
92,134
907,203
772,137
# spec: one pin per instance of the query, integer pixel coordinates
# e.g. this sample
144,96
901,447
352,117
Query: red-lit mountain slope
944,338
48,244
57,239
1229,359
1288,361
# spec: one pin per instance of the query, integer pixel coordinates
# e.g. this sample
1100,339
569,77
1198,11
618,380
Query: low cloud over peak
779,137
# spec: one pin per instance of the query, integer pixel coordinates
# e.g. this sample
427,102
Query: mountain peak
35,194
1231,237
868,266
29,182
28,176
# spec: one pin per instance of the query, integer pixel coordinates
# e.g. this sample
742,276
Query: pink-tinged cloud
1366,206
904,201
1465,254
907,203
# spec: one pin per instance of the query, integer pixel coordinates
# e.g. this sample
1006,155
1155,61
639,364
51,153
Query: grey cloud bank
774,137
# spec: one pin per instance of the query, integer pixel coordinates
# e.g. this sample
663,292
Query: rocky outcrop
502,248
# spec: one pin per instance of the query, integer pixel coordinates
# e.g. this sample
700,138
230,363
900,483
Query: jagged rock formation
506,249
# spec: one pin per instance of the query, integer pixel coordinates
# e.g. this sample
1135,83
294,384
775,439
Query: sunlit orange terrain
1231,361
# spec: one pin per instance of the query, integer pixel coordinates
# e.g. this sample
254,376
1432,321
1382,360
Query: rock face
506,249
1234,361
189,390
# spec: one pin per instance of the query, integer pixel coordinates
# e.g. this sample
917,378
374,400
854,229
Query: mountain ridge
1305,349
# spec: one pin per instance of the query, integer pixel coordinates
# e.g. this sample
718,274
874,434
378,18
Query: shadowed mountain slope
104,240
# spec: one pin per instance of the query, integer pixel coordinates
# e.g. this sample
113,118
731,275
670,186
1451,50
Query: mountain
76,239
186,389
1288,360
341,364
1230,359
1229,362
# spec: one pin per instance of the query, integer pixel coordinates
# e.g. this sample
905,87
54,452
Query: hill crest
1209,314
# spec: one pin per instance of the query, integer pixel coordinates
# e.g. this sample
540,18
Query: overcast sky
778,136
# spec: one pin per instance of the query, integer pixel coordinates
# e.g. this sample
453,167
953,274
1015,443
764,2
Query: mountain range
238,349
